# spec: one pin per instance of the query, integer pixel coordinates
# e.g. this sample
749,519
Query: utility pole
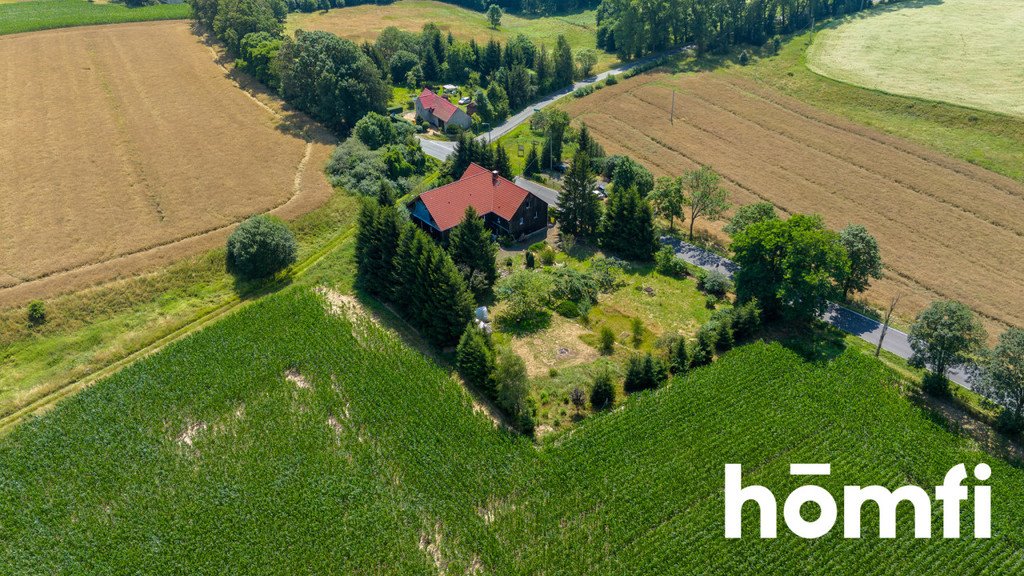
672,113
885,325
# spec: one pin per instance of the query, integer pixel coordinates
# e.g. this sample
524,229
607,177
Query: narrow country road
442,149
847,320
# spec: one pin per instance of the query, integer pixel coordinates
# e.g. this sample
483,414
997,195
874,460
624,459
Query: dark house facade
507,209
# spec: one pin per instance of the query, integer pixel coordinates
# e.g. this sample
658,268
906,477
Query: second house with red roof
507,209
439,112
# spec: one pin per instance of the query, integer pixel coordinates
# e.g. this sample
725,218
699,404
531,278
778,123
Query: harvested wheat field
127,146
947,229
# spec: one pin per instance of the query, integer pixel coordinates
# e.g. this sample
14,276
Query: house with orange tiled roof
439,112
507,209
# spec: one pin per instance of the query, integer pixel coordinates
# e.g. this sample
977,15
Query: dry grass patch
556,347
946,228
128,146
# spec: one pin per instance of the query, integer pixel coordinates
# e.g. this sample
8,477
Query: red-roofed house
507,209
440,112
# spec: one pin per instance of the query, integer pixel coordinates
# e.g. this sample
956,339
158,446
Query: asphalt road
847,320
441,149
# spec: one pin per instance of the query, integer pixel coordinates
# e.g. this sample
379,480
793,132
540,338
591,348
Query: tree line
633,28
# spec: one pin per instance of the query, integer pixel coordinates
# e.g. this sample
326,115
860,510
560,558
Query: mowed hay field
365,22
129,145
968,52
947,229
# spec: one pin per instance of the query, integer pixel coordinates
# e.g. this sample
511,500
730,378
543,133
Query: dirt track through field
947,229
128,146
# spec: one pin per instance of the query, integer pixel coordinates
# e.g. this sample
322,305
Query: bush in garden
714,283
527,294
530,260
606,340
607,272
567,308
666,263
575,286
578,398
260,247
636,326
547,256
602,394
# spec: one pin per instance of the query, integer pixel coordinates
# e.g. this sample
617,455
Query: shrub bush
260,247
636,327
714,283
567,308
611,80
547,256
584,91
602,395
606,341
36,313
530,260
573,285
666,263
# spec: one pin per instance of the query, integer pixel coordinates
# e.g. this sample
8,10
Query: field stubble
947,229
132,147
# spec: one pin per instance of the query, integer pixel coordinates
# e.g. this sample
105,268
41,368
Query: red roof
437,105
478,187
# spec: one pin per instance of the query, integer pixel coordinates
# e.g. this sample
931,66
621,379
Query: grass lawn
990,140
32,15
967,52
365,22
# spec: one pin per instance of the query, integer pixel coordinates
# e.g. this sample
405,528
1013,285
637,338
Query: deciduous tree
944,335
706,198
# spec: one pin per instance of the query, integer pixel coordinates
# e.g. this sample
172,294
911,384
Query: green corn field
287,440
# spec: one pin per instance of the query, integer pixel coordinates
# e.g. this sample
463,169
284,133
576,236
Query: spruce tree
565,67
473,252
532,167
448,305
579,210
501,162
463,156
628,226
410,271
474,359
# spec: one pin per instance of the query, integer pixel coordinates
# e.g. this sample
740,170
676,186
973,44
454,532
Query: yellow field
127,146
946,228
365,22
968,52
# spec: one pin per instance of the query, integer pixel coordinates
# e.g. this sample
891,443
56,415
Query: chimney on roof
494,177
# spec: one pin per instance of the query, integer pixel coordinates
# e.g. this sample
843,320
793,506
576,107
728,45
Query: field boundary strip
47,400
